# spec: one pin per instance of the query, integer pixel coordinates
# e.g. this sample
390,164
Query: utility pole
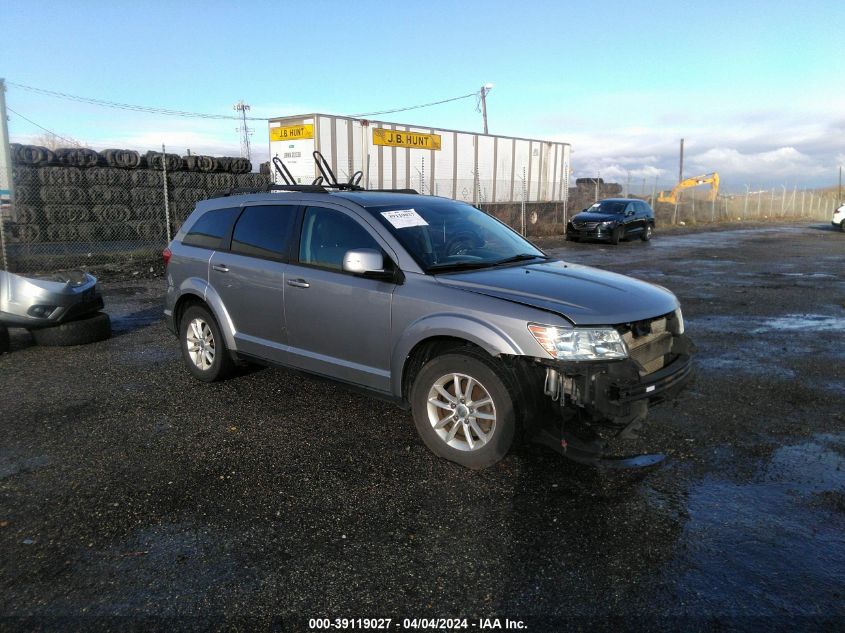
245,132
840,183
486,88
7,186
681,168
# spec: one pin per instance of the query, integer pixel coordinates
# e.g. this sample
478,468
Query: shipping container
476,168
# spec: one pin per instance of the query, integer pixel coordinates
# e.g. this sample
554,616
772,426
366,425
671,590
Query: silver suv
433,304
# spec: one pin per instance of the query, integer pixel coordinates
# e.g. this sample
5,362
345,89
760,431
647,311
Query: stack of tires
146,190
66,203
79,195
29,210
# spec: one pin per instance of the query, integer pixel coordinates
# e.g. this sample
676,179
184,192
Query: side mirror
361,261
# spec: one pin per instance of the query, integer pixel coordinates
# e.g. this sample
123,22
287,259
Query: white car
839,217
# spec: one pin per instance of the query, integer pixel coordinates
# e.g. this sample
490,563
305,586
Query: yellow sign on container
414,140
292,132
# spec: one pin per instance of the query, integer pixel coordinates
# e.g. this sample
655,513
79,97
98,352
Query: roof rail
236,191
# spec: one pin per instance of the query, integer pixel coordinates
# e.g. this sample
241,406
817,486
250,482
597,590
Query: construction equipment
711,179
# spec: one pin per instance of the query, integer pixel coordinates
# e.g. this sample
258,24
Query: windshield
609,206
444,234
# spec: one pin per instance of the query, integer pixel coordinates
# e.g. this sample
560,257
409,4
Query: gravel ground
132,495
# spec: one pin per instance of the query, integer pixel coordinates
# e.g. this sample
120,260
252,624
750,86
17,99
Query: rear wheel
463,410
90,329
646,234
203,348
4,339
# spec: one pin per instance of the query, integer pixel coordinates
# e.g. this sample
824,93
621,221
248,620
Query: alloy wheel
200,340
461,411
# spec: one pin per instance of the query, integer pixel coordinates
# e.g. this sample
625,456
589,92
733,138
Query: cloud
761,147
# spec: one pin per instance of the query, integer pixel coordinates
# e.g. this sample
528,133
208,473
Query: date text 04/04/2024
413,624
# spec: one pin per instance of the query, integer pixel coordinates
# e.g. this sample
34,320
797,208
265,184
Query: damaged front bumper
36,302
605,400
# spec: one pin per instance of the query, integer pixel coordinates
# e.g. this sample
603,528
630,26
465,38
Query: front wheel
646,235
616,236
203,348
463,410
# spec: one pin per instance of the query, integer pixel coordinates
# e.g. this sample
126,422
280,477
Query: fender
492,340
200,288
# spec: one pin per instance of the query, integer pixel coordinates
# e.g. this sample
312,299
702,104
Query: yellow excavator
694,181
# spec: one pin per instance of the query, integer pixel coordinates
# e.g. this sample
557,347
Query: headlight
579,343
608,224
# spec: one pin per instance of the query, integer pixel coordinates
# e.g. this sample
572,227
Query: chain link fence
116,209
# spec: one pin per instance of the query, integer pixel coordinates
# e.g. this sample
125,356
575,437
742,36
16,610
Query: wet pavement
129,490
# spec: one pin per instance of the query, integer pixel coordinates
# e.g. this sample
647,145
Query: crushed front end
599,401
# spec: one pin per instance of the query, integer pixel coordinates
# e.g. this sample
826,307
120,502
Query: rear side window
264,231
327,235
210,229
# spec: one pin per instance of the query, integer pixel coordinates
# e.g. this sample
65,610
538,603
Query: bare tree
52,141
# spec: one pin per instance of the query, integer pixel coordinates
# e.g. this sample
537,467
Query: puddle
802,322
810,275
759,325
773,545
135,320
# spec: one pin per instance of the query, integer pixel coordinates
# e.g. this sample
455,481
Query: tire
645,236
198,320
616,236
4,339
842,226
91,329
571,238
489,379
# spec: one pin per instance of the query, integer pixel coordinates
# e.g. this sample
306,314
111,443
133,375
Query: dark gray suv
431,303
613,220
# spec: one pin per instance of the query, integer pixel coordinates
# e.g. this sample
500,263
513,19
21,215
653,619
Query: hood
592,216
584,295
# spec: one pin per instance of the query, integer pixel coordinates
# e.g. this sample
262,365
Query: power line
71,142
204,115
416,107
129,106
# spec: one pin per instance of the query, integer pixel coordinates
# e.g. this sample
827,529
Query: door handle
220,268
298,283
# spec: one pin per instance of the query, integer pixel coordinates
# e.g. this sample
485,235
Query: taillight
166,254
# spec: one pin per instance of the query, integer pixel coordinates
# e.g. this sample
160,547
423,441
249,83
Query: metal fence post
3,239
166,198
522,212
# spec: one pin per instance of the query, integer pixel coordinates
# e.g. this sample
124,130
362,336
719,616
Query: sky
756,89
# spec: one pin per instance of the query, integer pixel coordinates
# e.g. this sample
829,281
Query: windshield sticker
404,219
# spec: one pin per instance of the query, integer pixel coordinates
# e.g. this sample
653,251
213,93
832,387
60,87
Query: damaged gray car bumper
36,302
